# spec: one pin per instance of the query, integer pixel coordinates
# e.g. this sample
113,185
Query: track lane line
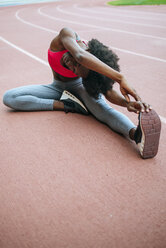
163,119
132,16
31,24
66,20
139,54
24,51
103,28
113,20
118,49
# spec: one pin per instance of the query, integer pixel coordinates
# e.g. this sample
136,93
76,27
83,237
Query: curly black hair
96,83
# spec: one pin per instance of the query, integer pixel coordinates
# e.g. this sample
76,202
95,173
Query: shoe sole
68,95
150,126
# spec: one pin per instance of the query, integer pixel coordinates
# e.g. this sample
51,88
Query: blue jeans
41,97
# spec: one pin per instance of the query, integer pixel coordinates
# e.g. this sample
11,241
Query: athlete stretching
83,75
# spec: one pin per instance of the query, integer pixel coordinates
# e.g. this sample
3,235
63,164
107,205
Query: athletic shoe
73,104
147,134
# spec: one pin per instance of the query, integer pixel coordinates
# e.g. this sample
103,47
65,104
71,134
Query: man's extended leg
147,133
104,112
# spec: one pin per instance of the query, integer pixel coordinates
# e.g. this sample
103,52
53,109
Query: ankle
58,105
132,133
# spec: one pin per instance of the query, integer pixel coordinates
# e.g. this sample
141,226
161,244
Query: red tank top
54,59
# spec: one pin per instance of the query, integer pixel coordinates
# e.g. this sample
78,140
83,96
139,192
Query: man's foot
147,134
73,104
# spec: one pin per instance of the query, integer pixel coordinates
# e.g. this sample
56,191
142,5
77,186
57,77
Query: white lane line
104,28
33,25
24,51
65,20
121,14
109,19
163,119
118,49
139,54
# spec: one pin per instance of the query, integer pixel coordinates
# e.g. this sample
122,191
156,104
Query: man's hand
138,106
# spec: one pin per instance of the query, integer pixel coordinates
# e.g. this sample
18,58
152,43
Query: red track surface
68,180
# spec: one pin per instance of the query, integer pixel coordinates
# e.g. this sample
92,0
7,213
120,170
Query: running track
68,180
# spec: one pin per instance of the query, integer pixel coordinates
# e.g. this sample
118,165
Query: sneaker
147,134
73,104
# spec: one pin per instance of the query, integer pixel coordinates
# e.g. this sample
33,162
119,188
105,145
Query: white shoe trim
67,95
